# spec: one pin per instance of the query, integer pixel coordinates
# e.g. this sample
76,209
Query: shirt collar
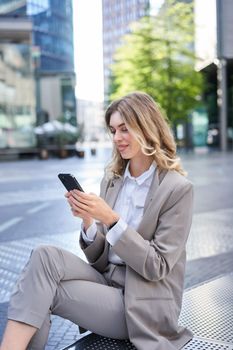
143,177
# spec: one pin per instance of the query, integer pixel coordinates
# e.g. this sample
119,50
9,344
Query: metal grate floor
207,310
203,344
94,342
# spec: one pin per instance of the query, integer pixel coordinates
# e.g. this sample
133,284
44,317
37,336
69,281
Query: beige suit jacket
155,259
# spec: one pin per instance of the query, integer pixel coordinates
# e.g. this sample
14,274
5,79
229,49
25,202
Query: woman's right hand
87,220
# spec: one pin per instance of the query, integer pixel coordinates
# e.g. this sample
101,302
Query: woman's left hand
94,206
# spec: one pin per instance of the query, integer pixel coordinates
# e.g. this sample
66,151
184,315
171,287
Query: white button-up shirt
129,205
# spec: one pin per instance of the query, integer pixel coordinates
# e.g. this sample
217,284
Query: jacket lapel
153,187
113,190
150,201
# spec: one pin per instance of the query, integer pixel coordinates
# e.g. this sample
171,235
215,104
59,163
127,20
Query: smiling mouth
122,148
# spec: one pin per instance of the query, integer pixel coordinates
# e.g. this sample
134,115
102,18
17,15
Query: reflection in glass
52,51
17,97
52,30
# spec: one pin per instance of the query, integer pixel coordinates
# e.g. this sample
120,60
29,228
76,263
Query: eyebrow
122,124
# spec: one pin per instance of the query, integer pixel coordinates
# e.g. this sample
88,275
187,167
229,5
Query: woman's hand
91,206
87,220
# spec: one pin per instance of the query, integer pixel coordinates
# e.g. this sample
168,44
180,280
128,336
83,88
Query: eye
124,130
112,131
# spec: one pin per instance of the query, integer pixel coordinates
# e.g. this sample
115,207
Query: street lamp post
221,74
36,62
222,101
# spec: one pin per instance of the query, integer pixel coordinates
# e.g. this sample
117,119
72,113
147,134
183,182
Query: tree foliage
157,57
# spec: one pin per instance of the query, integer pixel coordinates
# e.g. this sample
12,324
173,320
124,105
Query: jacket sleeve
154,259
97,252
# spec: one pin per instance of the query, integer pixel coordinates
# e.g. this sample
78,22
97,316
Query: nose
117,136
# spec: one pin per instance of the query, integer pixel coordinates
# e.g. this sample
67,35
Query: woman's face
125,142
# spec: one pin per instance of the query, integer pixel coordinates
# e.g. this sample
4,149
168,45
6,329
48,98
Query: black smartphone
70,182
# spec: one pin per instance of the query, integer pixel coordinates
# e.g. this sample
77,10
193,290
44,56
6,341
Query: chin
126,157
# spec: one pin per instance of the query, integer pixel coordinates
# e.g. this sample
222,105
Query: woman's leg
93,306
36,288
17,336
96,307
39,339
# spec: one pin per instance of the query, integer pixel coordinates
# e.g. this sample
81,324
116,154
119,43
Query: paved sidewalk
209,248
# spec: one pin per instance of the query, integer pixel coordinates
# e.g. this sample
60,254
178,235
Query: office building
117,18
91,116
17,85
214,49
50,54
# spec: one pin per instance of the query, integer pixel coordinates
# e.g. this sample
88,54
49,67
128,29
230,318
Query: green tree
158,57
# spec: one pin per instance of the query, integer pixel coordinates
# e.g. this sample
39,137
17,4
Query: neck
138,166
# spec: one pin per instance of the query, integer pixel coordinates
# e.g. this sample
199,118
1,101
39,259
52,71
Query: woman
134,238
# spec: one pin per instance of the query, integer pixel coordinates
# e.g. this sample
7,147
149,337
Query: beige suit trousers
55,281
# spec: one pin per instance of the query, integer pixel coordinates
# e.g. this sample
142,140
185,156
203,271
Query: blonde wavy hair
145,121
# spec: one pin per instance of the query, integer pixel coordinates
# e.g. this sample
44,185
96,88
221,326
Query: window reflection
17,97
52,30
35,7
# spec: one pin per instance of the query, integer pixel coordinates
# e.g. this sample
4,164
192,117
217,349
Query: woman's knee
48,260
43,254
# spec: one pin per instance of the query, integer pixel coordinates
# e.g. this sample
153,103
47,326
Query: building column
222,102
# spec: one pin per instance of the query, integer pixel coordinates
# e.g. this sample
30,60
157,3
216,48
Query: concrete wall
205,32
225,11
50,96
91,115
213,30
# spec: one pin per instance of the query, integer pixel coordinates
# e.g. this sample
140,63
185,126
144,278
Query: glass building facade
24,64
214,49
17,97
52,30
118,15
53,33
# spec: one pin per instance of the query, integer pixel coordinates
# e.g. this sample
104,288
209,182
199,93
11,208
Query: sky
88,51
